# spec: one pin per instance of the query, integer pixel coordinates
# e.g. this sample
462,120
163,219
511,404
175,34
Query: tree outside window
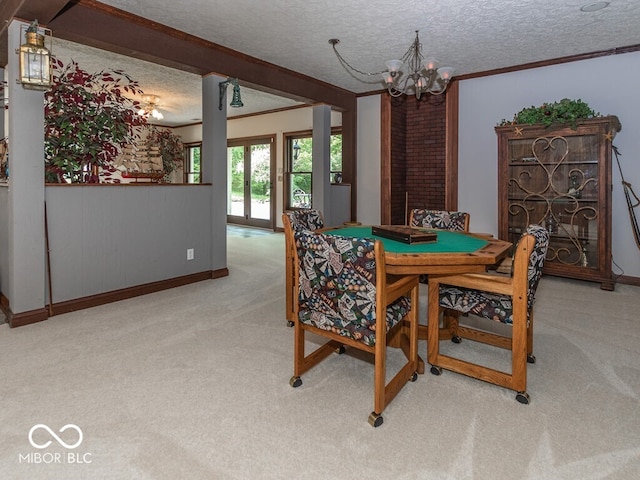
300,159
192,170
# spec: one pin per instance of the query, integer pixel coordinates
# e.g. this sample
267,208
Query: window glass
192,170
299,167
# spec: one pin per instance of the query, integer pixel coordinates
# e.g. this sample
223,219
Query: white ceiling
470,35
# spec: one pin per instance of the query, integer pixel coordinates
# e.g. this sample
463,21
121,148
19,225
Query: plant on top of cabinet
565,111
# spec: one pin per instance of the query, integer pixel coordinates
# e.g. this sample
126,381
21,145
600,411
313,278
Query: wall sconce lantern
236,101
35,57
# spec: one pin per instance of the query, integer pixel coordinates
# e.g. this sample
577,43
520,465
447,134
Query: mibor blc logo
70,437
57,438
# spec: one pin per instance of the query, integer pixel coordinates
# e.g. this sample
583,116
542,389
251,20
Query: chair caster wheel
295,381
290,323
375,420
414,377
523,397
340,350
456,339
436,370
531,358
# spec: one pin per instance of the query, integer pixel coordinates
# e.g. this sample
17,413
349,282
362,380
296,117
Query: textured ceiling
179,93
470,35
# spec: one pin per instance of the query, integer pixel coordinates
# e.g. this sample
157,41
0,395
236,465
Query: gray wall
108,237
608,84
25,286
104,238
4,238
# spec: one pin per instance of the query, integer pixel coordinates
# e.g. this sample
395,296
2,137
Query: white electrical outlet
189,253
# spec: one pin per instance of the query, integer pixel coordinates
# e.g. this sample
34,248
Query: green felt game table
452,252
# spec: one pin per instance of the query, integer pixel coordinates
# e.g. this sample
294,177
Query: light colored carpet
192,383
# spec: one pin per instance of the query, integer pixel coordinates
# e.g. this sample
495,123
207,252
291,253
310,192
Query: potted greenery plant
565,111
88,119
170,147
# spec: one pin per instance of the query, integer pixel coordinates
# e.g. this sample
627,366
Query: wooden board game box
404,233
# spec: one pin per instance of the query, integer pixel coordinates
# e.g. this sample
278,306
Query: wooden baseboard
130,292
26,318
627,280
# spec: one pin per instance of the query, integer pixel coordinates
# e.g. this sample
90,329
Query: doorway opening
250,170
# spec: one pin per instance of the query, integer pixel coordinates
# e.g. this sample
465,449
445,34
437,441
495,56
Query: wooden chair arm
398,285
477,281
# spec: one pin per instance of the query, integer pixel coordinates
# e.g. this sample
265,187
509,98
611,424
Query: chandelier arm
395,92
438,92
348,66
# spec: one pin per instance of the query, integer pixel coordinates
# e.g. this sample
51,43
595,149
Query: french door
250,167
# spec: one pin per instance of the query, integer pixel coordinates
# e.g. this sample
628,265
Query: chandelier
150,108
411,75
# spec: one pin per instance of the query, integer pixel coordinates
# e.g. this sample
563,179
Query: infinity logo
53,434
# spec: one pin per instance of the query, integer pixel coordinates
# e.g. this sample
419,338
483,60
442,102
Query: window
299,166
192,172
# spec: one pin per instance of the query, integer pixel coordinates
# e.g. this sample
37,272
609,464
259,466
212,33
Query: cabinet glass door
554,181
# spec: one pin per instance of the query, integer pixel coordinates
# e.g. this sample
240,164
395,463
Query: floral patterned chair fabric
505,299
338,287
296,220
345,295
441,219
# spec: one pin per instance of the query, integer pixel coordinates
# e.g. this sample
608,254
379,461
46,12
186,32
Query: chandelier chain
348,67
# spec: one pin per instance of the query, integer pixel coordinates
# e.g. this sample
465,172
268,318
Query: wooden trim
135,291
230,115
628,280
43,10
4,305
553,61
92,23
132,184
385,159
451,147
4,302
221,272
27,318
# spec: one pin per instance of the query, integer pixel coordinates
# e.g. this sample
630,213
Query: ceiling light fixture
411,75
236,100
150,108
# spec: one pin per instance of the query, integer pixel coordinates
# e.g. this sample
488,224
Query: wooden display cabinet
560,177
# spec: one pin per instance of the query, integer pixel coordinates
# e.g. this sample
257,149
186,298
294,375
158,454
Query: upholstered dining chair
506,299
294,220
441,219
438,219
346,296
